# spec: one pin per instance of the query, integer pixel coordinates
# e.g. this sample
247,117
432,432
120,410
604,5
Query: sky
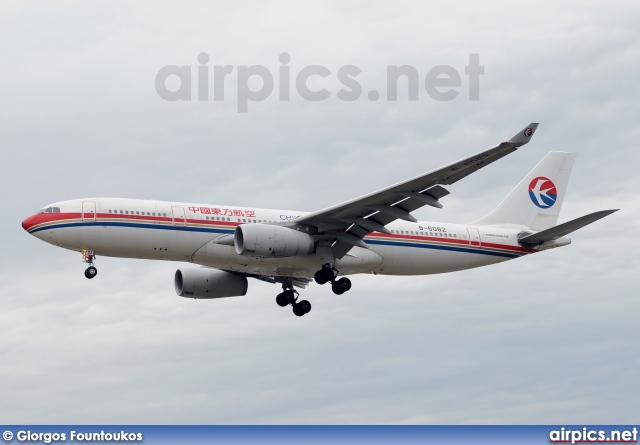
551,338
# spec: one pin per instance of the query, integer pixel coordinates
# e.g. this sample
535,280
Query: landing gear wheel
324,275
285,298
341,286
281,301
301,307
90,272
319,278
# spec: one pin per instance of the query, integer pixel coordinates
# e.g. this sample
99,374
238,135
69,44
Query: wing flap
300,282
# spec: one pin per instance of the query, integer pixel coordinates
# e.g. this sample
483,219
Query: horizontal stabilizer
565,228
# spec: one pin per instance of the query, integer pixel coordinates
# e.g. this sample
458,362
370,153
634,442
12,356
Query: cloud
550,338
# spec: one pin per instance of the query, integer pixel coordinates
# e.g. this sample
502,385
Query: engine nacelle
263,240
209,283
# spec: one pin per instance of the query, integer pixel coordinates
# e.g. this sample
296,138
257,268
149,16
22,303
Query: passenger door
179,217
474,237
88,211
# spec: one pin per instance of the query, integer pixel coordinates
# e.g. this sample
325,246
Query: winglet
524,136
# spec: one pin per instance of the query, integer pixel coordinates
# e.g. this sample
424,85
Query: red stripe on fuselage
42,218
451,241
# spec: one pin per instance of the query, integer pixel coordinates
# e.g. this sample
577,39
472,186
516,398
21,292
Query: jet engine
263,240
209,283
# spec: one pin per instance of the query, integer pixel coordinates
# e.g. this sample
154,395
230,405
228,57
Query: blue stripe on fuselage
230,230
441,247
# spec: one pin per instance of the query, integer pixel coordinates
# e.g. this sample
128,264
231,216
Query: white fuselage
158,230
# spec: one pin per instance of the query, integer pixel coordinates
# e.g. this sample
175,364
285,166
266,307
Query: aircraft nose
29,222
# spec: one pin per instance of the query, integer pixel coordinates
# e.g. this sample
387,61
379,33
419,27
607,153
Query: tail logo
528,132
542,191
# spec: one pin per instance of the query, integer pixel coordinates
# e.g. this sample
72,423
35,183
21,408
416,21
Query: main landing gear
289,296
329,274
89,257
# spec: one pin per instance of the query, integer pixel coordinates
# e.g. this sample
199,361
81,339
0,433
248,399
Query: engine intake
263,240
209,283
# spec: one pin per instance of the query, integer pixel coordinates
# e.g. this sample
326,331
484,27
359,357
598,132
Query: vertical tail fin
535,202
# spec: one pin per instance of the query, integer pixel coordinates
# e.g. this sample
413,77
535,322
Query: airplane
373,234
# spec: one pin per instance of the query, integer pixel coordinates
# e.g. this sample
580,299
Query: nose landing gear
89,257
90,272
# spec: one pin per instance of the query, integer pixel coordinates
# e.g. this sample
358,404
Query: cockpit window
50,210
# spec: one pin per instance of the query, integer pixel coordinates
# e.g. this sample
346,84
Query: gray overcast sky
550,338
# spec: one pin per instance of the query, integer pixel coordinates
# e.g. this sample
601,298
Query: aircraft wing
347,223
